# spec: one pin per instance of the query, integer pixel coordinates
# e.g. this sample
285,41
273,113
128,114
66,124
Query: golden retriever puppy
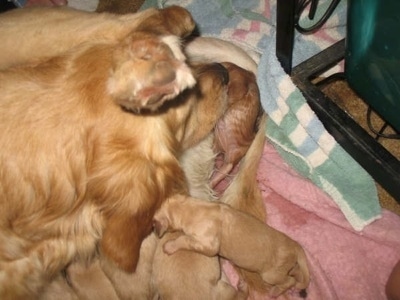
217,229
81,172
236,130
38,33
170,272
192,275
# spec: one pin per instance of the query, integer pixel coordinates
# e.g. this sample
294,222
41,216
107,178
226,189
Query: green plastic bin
372,64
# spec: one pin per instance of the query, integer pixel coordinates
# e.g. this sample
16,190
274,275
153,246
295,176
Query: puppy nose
223,72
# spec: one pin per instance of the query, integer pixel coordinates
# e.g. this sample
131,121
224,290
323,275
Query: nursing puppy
236,130
217,229
79,171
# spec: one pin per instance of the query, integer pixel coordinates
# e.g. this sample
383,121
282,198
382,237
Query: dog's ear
122,238
160,225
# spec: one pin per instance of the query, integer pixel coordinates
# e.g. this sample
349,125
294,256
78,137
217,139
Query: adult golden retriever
159,275
80,173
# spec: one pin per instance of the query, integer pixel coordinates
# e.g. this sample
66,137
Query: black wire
301,6
380,132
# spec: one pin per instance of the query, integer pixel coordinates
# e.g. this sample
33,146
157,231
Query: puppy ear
122,238
160,225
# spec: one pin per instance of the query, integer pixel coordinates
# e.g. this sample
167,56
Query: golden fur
79,172
218,229
38,33
236,130
161,275
186,125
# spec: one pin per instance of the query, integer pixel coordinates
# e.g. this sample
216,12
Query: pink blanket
344,263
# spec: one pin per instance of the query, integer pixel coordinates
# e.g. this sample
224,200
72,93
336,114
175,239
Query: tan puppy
204,280
217,229
88,172
236,130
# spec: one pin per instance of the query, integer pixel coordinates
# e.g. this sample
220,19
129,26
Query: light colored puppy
217,229
236,130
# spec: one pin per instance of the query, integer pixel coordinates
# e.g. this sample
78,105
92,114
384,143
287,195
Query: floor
346,99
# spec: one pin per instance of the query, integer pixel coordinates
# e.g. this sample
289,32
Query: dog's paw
173,20
148,71
178,20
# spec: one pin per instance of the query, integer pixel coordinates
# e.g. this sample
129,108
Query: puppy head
147,71
162,217
237,129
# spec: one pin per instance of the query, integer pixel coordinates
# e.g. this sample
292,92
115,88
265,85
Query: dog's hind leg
25,278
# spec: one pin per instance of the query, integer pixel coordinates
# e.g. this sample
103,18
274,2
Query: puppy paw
170,247
148,71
